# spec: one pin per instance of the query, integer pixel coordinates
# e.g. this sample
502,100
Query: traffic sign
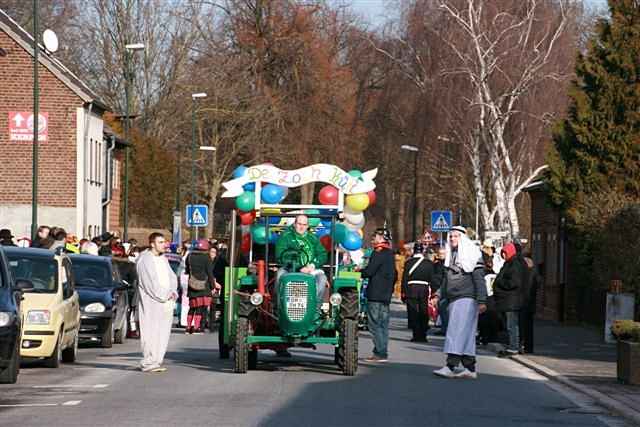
197,215
441,221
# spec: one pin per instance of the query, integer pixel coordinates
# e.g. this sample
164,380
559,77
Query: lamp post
194,97
128,81
36,112
415,184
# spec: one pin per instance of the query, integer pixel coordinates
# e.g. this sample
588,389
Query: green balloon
246,202
313,222
259,234
355,173
340,233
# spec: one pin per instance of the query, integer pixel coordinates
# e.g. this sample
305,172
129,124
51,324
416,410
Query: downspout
108,182
85,181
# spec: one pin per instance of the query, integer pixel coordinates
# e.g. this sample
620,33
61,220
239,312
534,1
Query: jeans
443,312
378,316
513,329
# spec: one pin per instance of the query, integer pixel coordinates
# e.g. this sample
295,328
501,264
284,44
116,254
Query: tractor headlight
38,317
256,298
335,299
96,307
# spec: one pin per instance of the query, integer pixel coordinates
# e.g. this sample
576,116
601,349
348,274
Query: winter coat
307,243
198,264
438,276
414,285
530,289
460,284
509,284
381,272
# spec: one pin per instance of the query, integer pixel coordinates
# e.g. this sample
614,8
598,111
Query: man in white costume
158,285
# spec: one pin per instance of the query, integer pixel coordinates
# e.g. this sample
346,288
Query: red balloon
372,197
328,195
326,242
246,218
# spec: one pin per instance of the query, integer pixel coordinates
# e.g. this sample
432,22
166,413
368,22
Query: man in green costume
299,239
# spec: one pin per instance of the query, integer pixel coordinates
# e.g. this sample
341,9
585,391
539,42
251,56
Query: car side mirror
126,284
24,285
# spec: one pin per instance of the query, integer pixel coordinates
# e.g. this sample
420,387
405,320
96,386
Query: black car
10,322
104,300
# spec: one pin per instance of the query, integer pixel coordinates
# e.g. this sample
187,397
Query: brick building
78,162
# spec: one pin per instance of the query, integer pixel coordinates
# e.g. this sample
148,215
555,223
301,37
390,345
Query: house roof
25,40
535,185
108,130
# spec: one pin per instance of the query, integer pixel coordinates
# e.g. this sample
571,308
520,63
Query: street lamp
415,184
128,81
207,148
194,97
36,112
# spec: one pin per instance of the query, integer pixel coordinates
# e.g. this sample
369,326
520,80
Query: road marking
71,386
72,403
101,386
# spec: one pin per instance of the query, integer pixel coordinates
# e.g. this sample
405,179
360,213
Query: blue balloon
352,241
249,186
273,237
239,171
272,194
322,231
274,220
326,223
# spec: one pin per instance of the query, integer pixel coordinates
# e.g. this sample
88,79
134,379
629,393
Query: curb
602,399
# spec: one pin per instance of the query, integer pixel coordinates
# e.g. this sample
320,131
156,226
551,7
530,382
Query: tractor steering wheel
294,258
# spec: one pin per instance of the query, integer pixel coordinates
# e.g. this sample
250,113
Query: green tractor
272,304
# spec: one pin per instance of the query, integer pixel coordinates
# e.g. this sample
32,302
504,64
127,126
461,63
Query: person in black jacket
198,267
508,295
528,311
416,280
436,286
381,272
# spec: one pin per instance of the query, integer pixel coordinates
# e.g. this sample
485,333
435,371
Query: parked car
104,301
129,277
50,306
10,323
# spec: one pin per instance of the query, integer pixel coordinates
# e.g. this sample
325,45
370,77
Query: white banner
321,172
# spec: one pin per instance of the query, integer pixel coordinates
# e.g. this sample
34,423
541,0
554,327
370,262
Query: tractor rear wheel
348,348
241,349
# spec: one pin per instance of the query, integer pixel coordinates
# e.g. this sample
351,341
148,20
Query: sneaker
507,353
148,368
159,369
466,374
445,372
376,359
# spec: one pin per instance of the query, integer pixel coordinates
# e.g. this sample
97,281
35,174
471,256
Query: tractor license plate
297,303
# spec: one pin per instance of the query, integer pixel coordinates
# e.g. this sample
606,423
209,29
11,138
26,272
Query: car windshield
41,271
91,274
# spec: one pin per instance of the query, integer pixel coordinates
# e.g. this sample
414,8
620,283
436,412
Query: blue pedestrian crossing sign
441,221
197,215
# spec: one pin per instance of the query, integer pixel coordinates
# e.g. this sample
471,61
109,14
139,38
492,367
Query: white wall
17,218
90,176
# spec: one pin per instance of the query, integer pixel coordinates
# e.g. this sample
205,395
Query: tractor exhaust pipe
261,272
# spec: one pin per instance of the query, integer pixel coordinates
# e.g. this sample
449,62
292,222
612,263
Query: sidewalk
578,357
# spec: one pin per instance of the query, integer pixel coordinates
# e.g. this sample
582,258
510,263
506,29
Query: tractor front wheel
347,354
241,349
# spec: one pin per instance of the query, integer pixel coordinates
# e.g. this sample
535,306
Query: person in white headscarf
464,288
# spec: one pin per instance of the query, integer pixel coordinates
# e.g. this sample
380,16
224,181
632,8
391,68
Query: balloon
245,229
249,186
323,231
326,223
328,195
272,194
353,217
352,241
246,201
372,197
326,242
274,220
259,234
239,171
247,218
340,232
358,202
354,227
313,222
361,232
273,237
355,173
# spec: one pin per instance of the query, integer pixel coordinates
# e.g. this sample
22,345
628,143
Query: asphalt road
105,388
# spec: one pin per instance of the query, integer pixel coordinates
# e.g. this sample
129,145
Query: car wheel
120,335
9,375
70,354
53,361
107,338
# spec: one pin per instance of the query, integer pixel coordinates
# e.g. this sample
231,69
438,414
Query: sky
376,11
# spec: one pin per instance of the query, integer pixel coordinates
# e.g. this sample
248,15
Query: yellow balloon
358,202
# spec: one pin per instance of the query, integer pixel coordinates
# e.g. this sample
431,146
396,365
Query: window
116,174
